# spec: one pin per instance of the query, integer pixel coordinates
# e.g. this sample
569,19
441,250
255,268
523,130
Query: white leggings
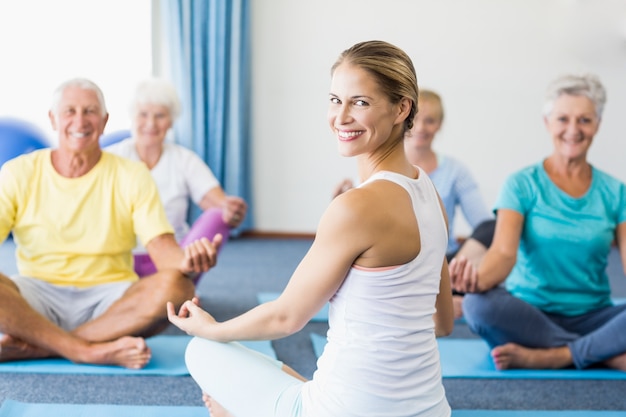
245,382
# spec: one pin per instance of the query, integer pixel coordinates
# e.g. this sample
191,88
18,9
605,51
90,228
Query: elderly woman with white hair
556,222
179,173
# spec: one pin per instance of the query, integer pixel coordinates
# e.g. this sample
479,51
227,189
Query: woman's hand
234,210
463,275
191,318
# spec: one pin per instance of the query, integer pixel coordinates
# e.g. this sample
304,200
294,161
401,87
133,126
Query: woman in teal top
556,221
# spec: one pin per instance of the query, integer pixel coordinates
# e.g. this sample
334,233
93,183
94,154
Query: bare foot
128,352
617,362
12,349
215,408
511,355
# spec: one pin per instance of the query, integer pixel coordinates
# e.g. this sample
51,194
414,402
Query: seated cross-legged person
75,213
556,221
179,173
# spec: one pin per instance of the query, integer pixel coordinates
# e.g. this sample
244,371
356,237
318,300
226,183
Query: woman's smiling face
151,123
572,123
359,113
426,124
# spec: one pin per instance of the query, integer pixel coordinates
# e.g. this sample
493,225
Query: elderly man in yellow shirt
75,213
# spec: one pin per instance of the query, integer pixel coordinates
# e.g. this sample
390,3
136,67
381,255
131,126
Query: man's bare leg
141,310
511,356
129,352
15,349
29,335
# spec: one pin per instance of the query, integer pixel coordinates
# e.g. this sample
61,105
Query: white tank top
381,358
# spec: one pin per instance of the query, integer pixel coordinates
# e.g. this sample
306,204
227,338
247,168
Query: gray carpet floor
250,265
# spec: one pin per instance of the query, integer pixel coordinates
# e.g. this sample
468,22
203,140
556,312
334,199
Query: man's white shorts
69,307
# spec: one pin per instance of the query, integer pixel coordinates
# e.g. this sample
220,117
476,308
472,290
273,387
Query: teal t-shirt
565,241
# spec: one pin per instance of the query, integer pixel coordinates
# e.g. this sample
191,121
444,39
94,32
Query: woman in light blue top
453,180
556,221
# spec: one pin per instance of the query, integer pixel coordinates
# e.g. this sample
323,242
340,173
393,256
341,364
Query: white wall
491,61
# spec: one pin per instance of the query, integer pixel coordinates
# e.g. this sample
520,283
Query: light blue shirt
565,241
457,188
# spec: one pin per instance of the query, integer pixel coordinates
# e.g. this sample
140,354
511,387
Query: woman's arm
502,255
498,260
205,190
341,238
234,208
213,198
444,316
444,310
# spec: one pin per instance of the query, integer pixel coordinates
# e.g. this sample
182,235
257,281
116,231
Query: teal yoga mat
264,297
470,358
168,359
12,408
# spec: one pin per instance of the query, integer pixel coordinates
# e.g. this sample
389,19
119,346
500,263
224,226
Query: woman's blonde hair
392,69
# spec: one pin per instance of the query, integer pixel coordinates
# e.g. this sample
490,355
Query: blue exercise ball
113,137
18,137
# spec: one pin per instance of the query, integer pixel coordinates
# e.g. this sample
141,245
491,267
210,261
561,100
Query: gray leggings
499,317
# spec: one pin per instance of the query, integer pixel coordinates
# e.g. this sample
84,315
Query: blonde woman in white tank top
378,257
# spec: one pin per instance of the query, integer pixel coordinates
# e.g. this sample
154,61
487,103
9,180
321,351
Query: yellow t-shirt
78,231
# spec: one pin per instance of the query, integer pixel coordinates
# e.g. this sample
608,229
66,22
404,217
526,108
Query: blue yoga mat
470,358
168,358
536,413
264,297
12,408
